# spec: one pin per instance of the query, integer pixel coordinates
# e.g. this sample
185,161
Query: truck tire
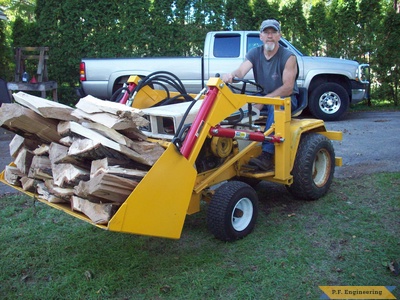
232,211
313,167
329,101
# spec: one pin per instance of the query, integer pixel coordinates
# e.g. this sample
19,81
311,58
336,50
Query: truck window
253,41
226,45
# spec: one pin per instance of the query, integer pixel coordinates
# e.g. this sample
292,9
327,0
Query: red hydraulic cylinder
256,136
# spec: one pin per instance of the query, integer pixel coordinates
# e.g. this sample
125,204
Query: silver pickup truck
332,83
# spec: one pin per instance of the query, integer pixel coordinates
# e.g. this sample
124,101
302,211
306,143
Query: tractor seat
302,99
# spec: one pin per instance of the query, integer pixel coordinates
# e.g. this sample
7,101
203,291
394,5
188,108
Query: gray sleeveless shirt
268,73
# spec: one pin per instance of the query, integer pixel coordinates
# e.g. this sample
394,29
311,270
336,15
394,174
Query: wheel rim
329,102
242,214
321,168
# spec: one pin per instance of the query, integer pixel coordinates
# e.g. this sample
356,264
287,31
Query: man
275,69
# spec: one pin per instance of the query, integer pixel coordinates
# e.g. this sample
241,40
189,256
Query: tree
387,56
317,24
239,15
264,10
4,53
294,24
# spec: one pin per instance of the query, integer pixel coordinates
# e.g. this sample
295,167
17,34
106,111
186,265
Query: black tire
232,211
329,101
313,167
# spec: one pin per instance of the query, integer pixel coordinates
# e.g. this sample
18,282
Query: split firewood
44,193
18,142
23,160
110,133
40,168
110,114
63,193
12,175
113,167
147,150
44,107
27,123
42,150
99,213
106,186
68,140
97,140
59,154
29,184
133,133
68,175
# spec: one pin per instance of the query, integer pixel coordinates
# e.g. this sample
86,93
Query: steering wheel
244,89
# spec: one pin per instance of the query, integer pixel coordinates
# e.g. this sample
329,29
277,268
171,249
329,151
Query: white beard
269,46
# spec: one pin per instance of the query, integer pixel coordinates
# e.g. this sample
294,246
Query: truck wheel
328,102
313,167
232,211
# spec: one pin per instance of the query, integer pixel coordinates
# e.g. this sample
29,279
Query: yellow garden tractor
209,140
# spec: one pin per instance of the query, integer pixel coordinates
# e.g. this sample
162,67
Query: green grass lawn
346,238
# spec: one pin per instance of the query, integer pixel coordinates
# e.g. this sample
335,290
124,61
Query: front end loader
208,143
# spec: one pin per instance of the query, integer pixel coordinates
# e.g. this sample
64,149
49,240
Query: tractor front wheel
232,211
313,167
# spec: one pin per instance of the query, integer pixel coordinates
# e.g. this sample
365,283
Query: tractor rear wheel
313,167
232,211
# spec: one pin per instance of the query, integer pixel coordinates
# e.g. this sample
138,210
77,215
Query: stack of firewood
91,157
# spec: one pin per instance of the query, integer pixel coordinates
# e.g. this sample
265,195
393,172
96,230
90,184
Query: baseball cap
270,23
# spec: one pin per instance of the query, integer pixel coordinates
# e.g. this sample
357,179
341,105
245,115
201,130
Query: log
28,124
110,114
40,168
42,150
12,175
109,166
44,107
59,154
23,161
99,213
18,142
29,184
63,193
150,151
68,175
108,120
109,133
106,186
134,134
97,140
44,193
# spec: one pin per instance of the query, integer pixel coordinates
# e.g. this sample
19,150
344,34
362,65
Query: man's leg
265,161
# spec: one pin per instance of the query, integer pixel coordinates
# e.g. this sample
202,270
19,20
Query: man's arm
240,72
288,79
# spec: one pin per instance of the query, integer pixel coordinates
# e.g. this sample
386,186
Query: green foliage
294,24
317,26
75,29
5,56
387,59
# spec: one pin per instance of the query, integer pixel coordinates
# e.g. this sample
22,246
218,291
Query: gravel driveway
371,144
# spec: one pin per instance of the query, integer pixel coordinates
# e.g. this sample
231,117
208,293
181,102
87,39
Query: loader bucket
158,205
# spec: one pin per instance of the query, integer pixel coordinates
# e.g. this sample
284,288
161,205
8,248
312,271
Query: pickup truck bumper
359,91
360,87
